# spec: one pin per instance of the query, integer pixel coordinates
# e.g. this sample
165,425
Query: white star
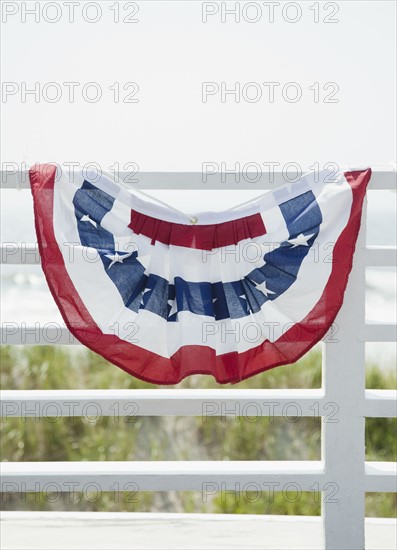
86,218
300,240
174,309
263,288
146,289
116,258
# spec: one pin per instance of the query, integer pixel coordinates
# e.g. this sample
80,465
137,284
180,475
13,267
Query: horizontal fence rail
183,476
378,332
176,402
213,179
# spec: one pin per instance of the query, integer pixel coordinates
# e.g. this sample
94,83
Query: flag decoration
164,295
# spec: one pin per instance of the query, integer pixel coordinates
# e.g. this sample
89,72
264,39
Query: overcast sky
169,52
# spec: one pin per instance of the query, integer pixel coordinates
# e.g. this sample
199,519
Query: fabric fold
203,237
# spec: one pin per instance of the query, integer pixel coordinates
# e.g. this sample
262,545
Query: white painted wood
20,253
343,441
161,402
378,332
28,254
174,531
381,179
176,402
381,476
208,477
50,334
381,403
384,256
174,180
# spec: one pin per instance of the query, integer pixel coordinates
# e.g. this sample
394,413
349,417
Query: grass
173,438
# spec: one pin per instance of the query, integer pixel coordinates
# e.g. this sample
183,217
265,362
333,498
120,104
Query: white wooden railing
343,476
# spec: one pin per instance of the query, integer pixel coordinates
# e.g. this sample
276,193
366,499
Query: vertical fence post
343,434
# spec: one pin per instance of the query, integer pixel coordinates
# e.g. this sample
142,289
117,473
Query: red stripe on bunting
203,237
229,367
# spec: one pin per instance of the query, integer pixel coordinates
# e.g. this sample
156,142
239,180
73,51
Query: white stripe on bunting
111,315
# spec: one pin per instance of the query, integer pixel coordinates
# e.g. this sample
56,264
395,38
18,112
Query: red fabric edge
202,237
230,367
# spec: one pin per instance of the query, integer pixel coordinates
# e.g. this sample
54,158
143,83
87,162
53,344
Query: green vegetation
173,438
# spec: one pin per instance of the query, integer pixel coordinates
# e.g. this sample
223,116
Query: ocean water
25,296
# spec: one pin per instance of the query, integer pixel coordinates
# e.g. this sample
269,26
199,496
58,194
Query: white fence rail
342,402
220,403
15,178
